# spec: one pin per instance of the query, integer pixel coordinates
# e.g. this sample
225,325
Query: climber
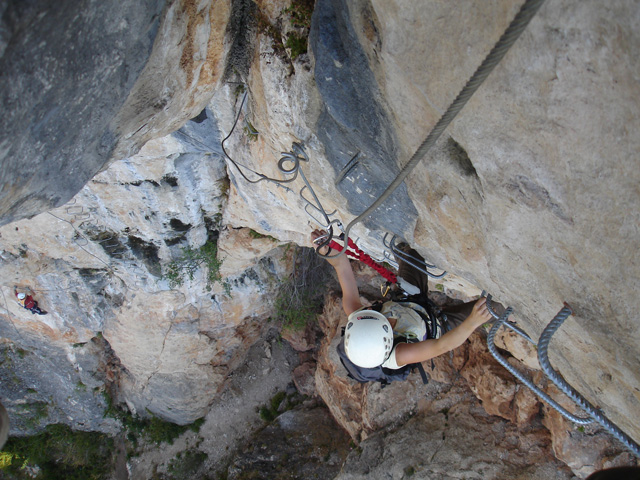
369,335
27,302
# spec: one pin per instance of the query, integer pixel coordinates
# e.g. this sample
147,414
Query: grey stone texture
65,72
530,194
44,383
354,122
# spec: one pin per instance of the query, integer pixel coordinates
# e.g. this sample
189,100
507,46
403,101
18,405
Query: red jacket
28,301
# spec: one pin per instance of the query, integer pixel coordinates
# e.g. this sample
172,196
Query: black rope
262,176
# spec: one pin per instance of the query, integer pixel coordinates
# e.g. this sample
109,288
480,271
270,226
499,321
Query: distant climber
27,302
408,330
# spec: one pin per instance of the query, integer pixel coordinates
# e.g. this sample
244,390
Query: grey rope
508,38
516,373
568,390
109,267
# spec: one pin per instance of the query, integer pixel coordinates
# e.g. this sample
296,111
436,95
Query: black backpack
379,373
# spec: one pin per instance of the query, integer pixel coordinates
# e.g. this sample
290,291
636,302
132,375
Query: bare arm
350,294
421,351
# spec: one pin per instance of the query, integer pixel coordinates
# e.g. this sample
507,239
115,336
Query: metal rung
542,346
417,263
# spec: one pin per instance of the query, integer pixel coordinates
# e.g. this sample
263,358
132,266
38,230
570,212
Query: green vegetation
297,44
280,403
256,235
58,452
185,465
440,287
300,13
250,130
269,412
409,471
271,31
152,429
295,313
225,185
240,89
36,412
189,263
300,17
300,297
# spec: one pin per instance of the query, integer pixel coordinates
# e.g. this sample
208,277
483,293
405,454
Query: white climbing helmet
21,296
368,338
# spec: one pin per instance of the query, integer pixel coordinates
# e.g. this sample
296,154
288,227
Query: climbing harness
508,38
542,347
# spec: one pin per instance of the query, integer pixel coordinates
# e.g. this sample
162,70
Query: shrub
268,413
193,259
59,452
300,296
186,465
152,429
297,44
300,13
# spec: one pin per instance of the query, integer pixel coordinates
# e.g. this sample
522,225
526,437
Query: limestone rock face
457,442
526,195
529,197
467,385
82,85
97,266
530,194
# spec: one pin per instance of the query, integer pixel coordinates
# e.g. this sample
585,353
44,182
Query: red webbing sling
354,252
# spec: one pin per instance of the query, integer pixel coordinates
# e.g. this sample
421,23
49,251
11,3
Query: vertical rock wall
83,84
97,263
531,193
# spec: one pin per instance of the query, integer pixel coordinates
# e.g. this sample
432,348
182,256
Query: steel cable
262,177
508,38
6,305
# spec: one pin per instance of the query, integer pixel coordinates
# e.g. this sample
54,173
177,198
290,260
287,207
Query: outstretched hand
480,313
316,239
